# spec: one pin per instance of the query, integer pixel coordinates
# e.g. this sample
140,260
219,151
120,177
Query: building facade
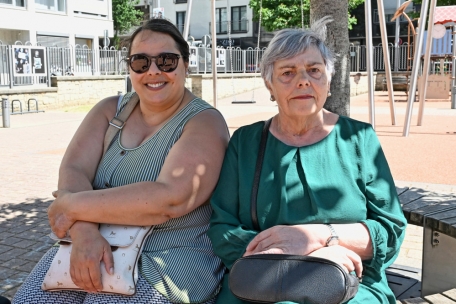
234,20
59,23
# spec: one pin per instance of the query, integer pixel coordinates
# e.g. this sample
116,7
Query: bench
436,213
400,83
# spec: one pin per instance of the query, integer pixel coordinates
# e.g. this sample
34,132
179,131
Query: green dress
344,178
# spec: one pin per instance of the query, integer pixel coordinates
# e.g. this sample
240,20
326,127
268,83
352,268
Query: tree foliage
125,16
281,14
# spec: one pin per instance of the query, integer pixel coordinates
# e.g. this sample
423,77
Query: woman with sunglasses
160,170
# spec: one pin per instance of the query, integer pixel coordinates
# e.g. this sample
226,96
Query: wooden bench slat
434,220
412,194
432,210
401,190
414,301
417,208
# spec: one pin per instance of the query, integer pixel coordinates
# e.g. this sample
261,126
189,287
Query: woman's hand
58,213
346,258
89,249
297,239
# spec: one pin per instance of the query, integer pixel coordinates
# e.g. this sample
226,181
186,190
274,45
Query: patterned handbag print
126,243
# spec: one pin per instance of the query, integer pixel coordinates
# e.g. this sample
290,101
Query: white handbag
126,243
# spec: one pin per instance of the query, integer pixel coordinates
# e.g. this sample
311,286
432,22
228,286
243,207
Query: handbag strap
256,179
118,122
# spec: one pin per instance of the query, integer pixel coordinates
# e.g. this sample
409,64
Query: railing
229,60
358,58
82,61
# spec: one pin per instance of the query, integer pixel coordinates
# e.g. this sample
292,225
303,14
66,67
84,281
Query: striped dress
177,259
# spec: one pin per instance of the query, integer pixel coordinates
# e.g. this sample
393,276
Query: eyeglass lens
166,62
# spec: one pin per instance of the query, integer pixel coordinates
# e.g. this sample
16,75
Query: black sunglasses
166,62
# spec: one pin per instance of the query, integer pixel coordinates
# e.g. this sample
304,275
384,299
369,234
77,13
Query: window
51,5
20,3
180,1
180,21
220,20
239,19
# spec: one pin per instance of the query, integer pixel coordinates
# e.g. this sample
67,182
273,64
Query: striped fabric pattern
177,259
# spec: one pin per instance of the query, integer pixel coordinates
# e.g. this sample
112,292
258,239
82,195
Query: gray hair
288,43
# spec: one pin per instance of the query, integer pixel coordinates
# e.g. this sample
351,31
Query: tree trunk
337,40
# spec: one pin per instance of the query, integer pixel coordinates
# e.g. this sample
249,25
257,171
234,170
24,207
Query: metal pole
6,112
11,66
396,41
415,68
453,72
187,19
386,60
370,62
213,59
427,58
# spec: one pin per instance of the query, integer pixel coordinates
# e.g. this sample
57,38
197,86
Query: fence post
11,66
6,112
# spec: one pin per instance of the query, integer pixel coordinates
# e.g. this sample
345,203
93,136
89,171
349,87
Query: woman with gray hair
325,188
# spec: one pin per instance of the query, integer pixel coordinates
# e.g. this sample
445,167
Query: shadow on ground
24,239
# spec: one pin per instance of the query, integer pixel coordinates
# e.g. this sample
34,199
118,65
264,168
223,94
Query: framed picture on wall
29,61
22,64
38,61
193,57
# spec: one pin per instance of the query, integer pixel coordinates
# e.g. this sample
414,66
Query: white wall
201,15
58,23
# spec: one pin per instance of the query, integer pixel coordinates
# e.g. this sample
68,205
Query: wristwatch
334,238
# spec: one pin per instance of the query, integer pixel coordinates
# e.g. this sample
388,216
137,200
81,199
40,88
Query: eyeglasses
166,62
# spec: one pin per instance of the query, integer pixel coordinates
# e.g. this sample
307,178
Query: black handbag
270,278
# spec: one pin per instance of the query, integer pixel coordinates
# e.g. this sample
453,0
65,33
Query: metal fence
399,58
233,60
82,60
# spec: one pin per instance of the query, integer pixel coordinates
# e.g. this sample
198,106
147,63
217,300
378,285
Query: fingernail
111,270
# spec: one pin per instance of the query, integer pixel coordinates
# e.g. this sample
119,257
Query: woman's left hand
58,214
346,258
297,239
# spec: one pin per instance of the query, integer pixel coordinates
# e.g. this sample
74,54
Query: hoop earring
272,98
329,94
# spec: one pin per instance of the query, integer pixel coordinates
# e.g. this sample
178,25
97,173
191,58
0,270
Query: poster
193,57
29,61
220,53
158,12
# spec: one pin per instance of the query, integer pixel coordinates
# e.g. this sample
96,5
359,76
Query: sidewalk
34,145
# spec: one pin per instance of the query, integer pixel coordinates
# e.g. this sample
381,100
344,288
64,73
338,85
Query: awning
445,14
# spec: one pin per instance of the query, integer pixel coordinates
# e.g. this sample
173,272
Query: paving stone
25,244
5,235
11,254
6,273
14,263
10,241
5,248
27,267
33,256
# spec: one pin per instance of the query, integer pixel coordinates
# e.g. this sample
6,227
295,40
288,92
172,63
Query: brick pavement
33,148
31,153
